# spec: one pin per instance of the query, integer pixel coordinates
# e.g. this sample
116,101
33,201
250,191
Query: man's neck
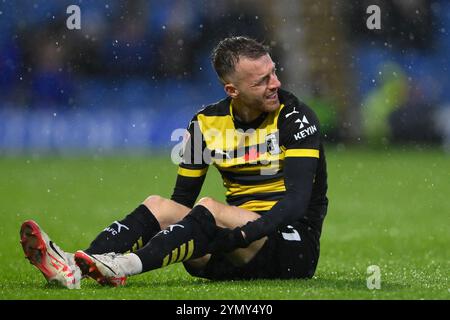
243,113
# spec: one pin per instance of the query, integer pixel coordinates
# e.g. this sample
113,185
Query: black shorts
291,252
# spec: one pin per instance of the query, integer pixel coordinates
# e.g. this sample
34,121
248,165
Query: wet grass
388,208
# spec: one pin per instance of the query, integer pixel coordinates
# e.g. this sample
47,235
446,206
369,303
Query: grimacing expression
257,83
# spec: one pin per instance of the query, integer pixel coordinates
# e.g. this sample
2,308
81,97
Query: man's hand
227,240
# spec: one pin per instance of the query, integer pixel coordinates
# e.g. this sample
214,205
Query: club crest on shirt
272,144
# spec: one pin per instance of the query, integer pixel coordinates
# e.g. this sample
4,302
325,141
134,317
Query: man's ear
231,90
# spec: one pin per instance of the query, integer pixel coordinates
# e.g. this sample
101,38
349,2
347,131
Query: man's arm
192,169
299,175
188,185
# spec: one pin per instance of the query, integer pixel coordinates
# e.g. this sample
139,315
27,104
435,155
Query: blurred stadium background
137,70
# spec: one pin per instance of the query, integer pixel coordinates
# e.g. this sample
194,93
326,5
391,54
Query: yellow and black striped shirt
251,157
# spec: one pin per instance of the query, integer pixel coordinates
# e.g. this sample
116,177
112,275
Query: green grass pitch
389,208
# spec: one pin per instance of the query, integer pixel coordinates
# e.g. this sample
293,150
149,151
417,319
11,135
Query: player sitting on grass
267,147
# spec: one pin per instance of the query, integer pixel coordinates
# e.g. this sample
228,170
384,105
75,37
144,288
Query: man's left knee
209,203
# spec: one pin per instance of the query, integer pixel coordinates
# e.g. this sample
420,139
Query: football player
267,146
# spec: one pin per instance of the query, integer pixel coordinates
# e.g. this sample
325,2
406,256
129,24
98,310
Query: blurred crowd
392,84
407,92
45,64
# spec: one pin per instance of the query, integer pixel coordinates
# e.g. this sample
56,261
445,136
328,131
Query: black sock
127,235
188,239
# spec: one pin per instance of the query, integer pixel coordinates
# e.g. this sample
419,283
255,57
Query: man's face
256,83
